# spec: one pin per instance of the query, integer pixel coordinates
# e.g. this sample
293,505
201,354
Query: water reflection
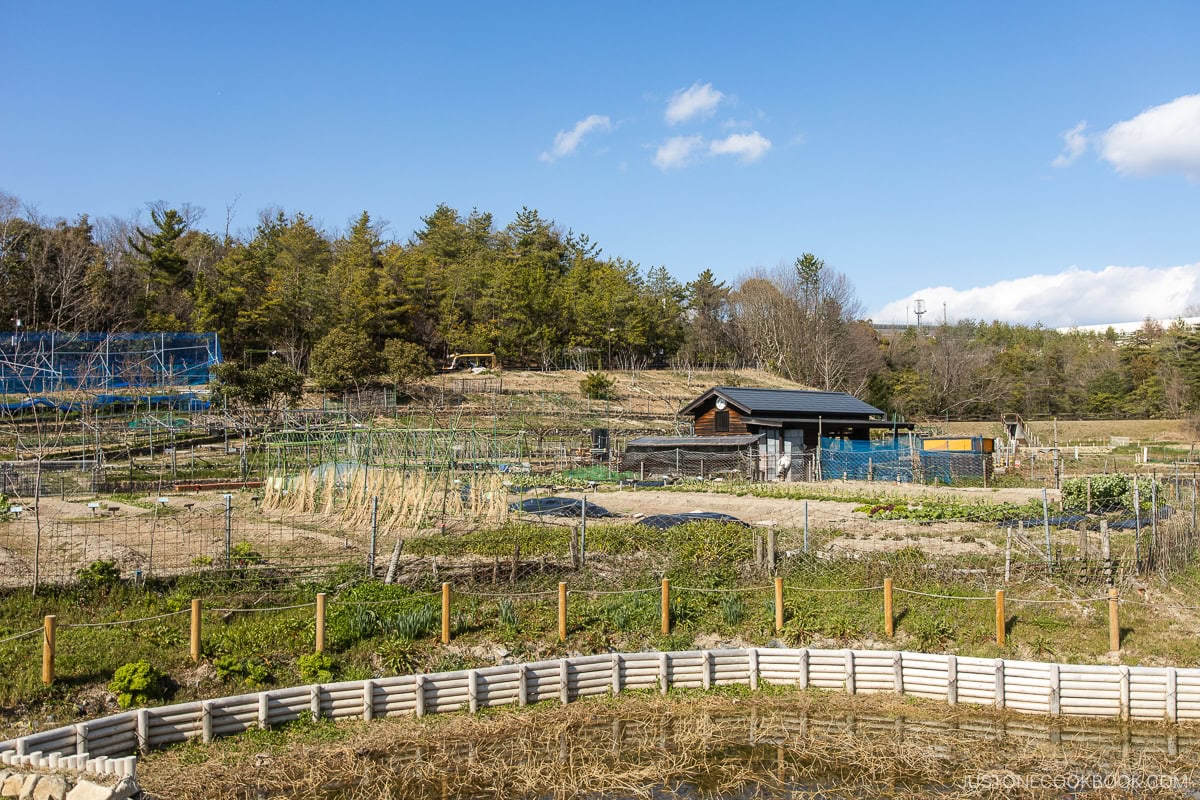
769,751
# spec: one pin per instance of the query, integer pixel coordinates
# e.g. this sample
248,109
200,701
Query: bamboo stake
562,611
1114,624
195,636
779,605
446,613
50,627
889,621
320,622
1000,618
666,606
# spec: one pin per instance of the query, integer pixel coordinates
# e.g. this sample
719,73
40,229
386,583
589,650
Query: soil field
1083,432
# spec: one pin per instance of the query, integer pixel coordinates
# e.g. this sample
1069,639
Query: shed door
793,441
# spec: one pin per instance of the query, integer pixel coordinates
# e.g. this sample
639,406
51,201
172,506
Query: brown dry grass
1083,432
794,744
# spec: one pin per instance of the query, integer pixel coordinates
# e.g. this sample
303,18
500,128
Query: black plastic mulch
559,507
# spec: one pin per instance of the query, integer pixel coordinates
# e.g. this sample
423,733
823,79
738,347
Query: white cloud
698,100
567,142
677,151
1075,143
748,147
1162,139
1071,297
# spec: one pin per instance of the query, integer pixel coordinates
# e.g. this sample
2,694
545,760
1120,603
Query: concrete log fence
108,746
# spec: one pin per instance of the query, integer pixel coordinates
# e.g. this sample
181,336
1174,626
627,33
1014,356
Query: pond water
769,751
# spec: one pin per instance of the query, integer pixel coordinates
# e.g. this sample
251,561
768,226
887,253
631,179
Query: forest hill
352,307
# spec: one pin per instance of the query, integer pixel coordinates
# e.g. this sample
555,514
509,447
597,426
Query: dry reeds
407,499
794,745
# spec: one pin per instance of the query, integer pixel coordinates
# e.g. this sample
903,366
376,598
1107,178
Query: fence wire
1098,530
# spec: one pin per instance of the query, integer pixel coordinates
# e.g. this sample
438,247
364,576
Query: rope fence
447,592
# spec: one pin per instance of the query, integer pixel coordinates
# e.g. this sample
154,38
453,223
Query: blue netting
893,460
36,362
184,401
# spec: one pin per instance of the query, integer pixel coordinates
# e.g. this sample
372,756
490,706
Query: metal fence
1103,529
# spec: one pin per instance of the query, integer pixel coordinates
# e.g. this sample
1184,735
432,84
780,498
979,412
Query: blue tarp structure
40,362
892,460
863,459
184,401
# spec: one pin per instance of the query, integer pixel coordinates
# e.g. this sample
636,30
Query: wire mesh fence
1095,530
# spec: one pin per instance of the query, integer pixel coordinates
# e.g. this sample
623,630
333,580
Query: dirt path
834,526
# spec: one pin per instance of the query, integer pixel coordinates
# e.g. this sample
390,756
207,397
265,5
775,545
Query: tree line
354,306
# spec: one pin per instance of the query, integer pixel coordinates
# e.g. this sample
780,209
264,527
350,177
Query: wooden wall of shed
706,423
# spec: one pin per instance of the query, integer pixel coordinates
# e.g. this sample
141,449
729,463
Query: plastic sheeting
559,507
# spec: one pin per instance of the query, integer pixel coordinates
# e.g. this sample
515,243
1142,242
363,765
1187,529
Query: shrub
1108,492
407,362
598,386
344,358
138,683
99,574
398,656
250,672
931,632
315,667
243,554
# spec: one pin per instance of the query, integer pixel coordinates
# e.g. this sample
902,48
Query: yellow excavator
459,361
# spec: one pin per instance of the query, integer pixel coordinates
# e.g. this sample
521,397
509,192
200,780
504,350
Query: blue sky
928,149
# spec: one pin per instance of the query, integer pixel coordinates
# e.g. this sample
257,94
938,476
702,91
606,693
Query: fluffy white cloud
677,151
748,147
1071,297
1162,139
1075,143
698,100
567,142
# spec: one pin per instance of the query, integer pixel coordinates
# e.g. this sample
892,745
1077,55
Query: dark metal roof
832,422
792,402
736,440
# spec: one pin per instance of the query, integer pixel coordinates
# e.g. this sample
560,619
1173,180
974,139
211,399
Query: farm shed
777,430
699,456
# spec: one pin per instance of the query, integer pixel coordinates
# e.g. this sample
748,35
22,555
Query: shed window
722,422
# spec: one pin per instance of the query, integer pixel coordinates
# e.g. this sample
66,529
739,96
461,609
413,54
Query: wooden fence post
666,606
51,624
320,622
1114,624
195,637
1000,618
446,613
889,621
779,605
562,611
